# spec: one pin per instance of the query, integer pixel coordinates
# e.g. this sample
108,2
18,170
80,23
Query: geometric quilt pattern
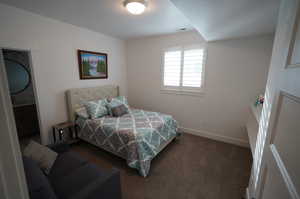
137,136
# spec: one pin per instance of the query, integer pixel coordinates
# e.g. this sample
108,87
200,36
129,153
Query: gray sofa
71,177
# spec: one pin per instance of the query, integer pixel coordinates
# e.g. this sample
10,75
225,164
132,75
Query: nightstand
64,128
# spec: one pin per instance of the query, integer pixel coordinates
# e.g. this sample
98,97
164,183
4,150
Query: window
183,69
172,69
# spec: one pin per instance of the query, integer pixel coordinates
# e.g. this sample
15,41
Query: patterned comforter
137,136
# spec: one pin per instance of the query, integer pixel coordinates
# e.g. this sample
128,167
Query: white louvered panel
172,62
192,68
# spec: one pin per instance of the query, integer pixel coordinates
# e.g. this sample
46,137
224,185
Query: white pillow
44,156
82,112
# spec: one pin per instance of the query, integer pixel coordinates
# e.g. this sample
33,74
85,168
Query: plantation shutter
193,68
172,68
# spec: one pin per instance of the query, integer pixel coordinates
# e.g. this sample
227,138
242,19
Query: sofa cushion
37,182
79,179
65,164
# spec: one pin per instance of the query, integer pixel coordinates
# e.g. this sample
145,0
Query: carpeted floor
189,168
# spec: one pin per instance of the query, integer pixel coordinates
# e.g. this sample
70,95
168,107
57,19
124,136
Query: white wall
53,45
236,71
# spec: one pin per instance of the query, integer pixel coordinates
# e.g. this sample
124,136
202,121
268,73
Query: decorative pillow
44,156
96,108
119,110
114,102
82,112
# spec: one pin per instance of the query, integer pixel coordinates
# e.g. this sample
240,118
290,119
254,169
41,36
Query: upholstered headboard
76,96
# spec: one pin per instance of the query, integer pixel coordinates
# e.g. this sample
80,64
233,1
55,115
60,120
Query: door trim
293,41
285,175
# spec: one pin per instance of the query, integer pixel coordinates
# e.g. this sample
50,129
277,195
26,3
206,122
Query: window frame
184,90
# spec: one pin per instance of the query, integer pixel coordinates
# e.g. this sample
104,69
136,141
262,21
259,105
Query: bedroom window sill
198,93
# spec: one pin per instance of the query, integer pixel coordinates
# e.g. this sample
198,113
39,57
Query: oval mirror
18,76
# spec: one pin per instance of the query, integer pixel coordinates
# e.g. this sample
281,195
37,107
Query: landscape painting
92,65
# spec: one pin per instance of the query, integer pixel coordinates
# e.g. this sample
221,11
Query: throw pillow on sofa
44,156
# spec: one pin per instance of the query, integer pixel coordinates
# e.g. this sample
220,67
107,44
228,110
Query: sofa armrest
109,187
59,147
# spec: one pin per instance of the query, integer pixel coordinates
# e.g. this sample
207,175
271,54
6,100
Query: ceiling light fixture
135,7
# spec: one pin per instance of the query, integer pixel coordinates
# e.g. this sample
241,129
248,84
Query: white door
277,157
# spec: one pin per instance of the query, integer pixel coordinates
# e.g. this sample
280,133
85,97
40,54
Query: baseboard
214,136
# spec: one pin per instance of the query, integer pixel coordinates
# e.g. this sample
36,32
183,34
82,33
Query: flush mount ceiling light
135,7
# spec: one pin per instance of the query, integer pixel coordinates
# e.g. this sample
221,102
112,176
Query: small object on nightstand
63,128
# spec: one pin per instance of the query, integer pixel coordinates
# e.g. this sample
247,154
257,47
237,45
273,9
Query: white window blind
192,68
183,69
172,68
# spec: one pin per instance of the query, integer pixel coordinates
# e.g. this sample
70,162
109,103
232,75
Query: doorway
19,73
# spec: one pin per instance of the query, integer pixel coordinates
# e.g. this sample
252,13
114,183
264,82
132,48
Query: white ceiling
109,16
214,19
224,19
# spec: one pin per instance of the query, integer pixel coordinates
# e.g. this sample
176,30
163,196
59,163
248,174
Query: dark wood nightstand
62,129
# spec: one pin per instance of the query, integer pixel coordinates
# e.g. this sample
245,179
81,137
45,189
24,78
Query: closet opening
20,78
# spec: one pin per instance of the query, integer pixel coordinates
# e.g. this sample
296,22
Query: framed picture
92,65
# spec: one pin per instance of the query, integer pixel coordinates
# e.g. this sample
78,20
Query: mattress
137,136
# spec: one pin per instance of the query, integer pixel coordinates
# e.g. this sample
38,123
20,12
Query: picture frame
92,65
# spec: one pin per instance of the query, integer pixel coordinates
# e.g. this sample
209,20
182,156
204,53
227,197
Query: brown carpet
189,168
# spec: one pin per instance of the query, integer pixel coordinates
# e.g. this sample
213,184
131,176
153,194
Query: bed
137,136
